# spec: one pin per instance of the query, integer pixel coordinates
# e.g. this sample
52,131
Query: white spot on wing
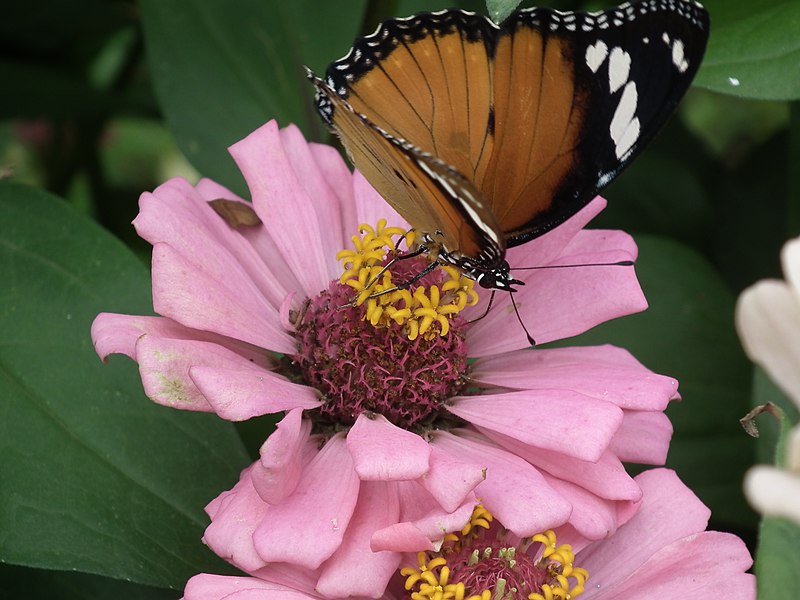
619,67
628,138
678,58
596,54
624,128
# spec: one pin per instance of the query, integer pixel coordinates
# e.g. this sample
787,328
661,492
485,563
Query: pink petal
258,238
293,577
594,518
606,477
643,438
370,206
167,353
286,210
165,366
626,510
118,334
437,523
426,529
319,187
604,372
219,587
211,190
559,303
240,394
449,479
178,215
283,456
384,452
669,511
416,502
336,171
203,297
512,486
706,565
554,419
235,515
308,527
551,245
402,537
377,507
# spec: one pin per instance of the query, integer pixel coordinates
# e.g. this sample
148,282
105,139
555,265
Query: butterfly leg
405,284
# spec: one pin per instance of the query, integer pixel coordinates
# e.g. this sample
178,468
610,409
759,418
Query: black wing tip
322,96
369,50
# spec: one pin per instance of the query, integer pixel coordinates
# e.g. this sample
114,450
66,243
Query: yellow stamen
431,579
559,562
480,518
425,312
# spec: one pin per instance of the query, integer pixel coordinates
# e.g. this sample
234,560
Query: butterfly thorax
489,269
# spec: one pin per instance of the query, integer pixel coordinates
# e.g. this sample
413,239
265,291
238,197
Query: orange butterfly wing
418,185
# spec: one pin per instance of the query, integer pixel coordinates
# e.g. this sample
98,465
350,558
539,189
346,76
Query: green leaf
500,9
221,70
688,333
659,194
38,584
732,127
95,478
793,176
754,50
778,560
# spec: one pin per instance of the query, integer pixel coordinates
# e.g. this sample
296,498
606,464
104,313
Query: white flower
768,320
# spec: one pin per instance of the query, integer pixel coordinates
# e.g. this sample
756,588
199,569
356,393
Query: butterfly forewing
537,114
539,110
427,79
438,200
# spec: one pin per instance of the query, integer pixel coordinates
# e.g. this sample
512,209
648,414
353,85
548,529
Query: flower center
371,346
480,564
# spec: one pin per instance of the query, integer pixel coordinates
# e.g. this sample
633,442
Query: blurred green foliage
105,99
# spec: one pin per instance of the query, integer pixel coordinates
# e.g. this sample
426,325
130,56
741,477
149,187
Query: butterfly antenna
531,341
622,263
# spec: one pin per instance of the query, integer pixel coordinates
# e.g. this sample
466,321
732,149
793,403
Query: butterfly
485,136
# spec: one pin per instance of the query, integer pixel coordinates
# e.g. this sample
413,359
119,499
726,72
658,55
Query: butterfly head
490,276
498,278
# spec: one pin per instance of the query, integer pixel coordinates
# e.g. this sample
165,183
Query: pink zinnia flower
661,553
386,442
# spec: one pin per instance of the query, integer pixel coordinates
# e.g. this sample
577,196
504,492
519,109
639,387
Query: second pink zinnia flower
387,443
